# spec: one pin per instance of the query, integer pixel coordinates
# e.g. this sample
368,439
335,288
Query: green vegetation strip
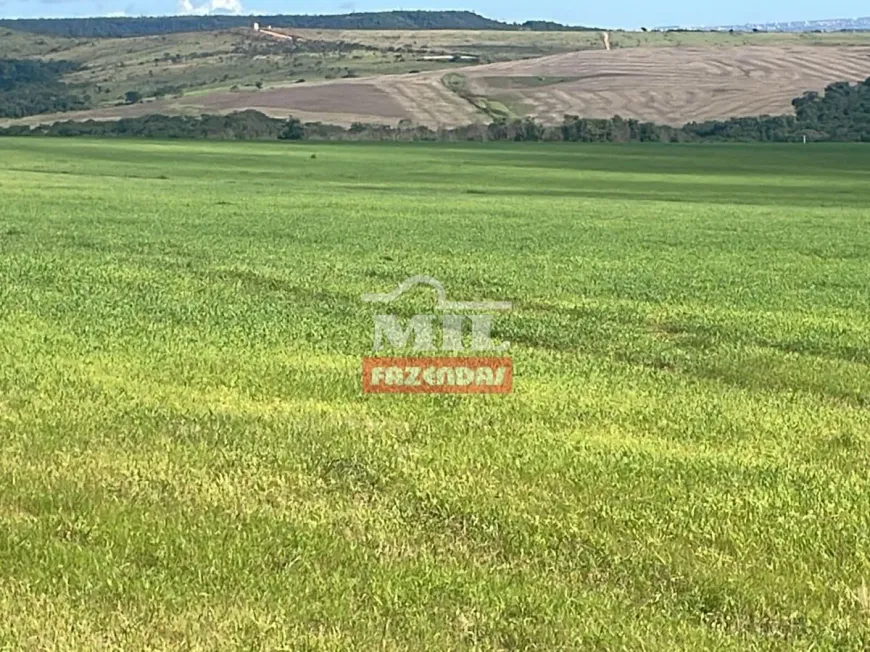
494,109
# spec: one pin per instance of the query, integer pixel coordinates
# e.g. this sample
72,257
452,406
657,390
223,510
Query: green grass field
187,461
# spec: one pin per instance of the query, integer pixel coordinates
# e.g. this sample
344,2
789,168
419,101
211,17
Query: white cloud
188,7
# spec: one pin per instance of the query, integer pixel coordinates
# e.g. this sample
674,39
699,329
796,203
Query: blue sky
613,13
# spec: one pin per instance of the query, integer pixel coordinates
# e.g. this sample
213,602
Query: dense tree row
841,113
147,26
18,72
29,87
245,125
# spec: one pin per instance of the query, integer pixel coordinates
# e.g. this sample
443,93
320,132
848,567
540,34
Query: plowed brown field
665,85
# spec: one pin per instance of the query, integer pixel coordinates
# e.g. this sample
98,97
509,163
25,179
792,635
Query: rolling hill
449,77
123,26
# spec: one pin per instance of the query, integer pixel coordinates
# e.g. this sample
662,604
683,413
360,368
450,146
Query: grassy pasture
187,462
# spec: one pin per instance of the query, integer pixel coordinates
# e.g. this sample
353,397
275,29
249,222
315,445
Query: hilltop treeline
120,27
841,113
28,87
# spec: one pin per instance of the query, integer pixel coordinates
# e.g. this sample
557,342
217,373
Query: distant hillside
404,20
835,25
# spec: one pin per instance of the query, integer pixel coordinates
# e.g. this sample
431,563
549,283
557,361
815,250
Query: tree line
841,113
119,27
29,87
